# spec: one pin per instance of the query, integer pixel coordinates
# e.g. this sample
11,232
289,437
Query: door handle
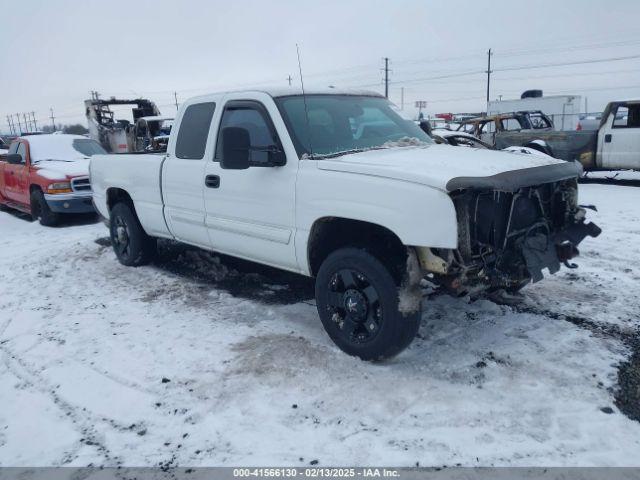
607,138
212,181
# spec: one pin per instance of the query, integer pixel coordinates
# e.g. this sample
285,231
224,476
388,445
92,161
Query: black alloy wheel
355,306
130,242
358,302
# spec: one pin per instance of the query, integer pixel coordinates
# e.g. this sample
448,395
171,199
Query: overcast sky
54,52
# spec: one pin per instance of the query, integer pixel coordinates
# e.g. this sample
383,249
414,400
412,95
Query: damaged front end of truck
511,227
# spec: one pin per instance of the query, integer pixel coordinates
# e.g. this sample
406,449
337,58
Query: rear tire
130,242
358,303
40,210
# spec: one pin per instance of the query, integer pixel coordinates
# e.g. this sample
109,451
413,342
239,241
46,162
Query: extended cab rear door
619,137
250,213
183,174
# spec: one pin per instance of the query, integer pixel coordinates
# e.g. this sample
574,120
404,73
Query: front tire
358,303
130,242
40,210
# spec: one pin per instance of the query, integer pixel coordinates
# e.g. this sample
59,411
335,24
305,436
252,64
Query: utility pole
175,96
386,77
488,76
33,115
289,79
53,120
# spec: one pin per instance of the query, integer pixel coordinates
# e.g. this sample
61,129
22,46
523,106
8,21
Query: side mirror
235,148
277,157
14,158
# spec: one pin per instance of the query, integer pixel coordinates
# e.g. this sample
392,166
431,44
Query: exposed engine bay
507,238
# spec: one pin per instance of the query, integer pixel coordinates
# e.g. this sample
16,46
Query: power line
514,68
564,64
488,75
386,77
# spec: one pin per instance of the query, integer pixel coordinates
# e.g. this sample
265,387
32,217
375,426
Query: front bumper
70,203
507,238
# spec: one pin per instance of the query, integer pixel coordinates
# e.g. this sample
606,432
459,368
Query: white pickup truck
336,185
615,145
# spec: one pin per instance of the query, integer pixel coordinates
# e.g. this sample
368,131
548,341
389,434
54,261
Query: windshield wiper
320,156
403,142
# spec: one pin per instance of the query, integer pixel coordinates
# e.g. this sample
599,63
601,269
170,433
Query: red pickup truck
48,175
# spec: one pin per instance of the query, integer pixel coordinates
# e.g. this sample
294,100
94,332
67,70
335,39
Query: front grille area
494,226
81,184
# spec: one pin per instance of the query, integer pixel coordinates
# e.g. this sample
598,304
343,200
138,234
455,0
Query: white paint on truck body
266,214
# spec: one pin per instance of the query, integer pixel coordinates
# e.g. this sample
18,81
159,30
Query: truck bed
567,145
141,179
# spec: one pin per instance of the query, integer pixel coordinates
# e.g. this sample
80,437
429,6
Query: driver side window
261,131
22,151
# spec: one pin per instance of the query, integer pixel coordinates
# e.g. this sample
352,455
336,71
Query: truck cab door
183,175
16,176
250,213
8,175
619,138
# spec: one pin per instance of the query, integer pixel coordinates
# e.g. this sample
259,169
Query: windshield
62,148
88,147
345,123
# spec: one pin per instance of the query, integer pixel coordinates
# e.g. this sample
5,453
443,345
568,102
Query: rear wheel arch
329,234
40,209
118,195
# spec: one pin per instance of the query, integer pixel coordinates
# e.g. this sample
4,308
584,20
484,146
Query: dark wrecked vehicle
491,129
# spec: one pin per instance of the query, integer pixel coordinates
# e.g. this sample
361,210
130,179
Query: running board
17,206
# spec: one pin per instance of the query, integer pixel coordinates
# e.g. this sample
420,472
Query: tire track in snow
627,393
82,421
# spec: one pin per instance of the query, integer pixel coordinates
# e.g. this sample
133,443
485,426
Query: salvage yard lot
201,360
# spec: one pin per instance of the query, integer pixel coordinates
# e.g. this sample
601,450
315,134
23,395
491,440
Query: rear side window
194,130
627,116
511,124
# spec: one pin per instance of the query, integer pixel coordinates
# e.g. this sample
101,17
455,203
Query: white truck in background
615,145
337,186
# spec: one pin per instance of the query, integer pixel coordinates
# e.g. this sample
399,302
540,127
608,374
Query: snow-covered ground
199,360
614,176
